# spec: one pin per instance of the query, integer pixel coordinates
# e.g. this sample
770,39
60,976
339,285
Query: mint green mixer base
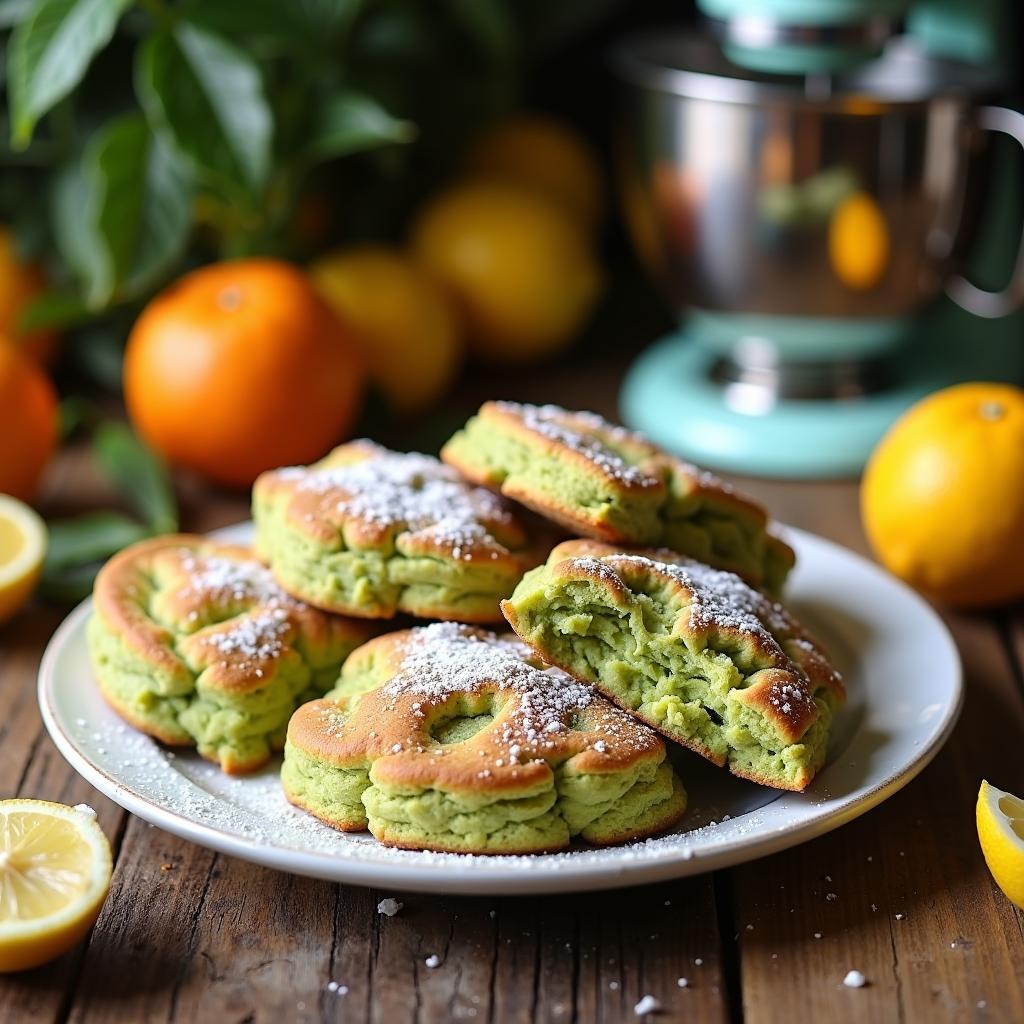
667,394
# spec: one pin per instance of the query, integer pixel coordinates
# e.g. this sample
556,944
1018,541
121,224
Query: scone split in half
450,738
605,482
693,651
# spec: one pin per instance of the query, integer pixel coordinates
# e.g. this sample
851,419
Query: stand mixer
804,184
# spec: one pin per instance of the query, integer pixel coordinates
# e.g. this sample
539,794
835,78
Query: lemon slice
55,869
1001,831
22,547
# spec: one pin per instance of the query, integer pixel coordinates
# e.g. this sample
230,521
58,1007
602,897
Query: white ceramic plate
902,672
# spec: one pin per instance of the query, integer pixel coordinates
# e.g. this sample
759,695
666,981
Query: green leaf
78,242
54,310
49,53
206,97
351,122
13,11
139,475
77,412
89,538
141,206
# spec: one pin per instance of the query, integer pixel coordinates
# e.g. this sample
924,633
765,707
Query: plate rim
433,875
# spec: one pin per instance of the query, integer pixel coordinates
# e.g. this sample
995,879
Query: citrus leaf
139,475
89,538
78,242
49,53
13,11
140,203
352,122
53,310
205,96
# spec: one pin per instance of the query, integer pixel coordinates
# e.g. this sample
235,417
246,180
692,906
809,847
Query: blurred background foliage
141,139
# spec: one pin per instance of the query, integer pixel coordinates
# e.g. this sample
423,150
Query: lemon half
1001,831
55,866
22,547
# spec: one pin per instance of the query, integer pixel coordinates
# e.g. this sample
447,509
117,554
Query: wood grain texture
193,937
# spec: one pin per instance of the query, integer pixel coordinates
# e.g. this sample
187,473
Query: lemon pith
22,547
55,866
1000,818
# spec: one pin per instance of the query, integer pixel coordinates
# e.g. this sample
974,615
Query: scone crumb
341,990
683,982
647,1005
433,961
389,907
854,979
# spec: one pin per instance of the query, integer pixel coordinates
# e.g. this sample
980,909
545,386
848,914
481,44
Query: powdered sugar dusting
409,491
261,612
594,437
719,600
585,433
221,579
446,659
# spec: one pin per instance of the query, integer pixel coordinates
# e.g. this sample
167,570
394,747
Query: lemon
543,155
55,866
943,495
401,318
522,273
858,242
22,547
1001,831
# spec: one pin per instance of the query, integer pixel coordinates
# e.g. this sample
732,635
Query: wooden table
192,936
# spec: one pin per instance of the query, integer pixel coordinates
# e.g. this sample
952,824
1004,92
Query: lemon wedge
55,869
1001,831
22,547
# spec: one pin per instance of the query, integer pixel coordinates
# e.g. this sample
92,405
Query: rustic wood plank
956,951
31,767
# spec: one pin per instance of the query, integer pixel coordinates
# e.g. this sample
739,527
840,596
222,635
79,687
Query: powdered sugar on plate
878,741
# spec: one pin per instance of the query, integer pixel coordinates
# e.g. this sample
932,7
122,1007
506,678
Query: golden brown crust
185,604
329,509
541,718
623,462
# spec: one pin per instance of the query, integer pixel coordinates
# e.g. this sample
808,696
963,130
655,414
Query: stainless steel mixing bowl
731,181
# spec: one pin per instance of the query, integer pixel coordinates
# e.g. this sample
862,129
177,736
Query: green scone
602,481
370,533
194,643
693,651
450,738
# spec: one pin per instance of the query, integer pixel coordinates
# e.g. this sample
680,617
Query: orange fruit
20,284
544,155
240,367
521,271
943,495
858,242
401,318
28,423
